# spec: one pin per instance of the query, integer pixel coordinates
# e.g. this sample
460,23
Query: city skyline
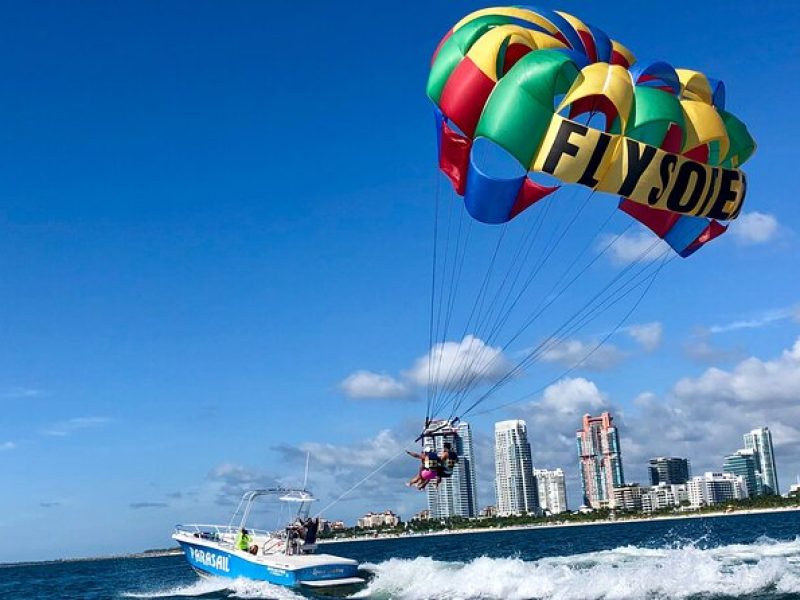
521,488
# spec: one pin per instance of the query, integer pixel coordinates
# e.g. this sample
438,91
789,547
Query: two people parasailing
433,466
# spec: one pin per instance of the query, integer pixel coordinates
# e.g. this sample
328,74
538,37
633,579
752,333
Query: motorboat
288,556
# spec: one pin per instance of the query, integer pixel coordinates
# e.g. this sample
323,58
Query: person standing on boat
311,528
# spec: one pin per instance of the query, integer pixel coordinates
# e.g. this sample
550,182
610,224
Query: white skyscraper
552,490
456,495
515,486
760,441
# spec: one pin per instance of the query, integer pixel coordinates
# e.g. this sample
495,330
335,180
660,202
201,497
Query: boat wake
219,587
765,567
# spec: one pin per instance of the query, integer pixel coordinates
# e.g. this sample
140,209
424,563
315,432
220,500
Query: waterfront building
552,490
384,519
600,460
760,440
662,496
745,464
515,485
456,495
794,491
714,488
628,497
487,512
422,515
669,470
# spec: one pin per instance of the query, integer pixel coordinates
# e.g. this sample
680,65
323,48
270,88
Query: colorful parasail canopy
526,84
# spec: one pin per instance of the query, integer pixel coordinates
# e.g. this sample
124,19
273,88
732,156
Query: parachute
516,79
530,101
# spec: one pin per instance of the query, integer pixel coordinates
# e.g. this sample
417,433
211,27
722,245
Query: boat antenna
305,477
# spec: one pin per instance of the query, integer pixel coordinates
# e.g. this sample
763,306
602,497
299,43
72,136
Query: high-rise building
552,490
760,440
515,486
456,495
713,488
744,463
600,460
669,470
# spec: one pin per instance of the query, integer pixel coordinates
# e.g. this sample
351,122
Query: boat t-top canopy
302,497
297,496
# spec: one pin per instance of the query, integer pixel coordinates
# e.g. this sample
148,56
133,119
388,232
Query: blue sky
216,216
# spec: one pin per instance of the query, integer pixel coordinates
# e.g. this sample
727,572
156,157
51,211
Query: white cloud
366,384
754,228
360,475
634,246
141,505
16,393
700,349
229,481
7,446
590,354
704,417
458,365
759,320
364,454
64,428
751,381
552,421
648,335
701,417
571,396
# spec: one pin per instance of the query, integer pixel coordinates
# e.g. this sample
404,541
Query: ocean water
749,556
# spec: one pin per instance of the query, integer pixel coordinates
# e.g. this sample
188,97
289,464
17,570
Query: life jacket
243,541
449,463
431,461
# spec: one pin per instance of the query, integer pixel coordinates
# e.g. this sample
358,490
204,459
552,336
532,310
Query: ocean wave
233,588
680,571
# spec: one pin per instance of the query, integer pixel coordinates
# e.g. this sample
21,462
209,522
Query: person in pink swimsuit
428,468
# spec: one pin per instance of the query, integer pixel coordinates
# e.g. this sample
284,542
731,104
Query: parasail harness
434,429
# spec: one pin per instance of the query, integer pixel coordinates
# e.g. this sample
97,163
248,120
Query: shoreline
57,561
465,531
478,530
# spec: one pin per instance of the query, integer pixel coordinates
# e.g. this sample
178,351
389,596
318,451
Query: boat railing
225,534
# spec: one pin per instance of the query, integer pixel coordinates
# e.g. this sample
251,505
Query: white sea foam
618,574
236,588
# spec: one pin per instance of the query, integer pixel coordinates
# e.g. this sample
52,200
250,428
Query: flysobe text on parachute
613,163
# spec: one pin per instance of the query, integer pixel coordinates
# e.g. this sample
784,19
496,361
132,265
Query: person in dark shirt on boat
311,526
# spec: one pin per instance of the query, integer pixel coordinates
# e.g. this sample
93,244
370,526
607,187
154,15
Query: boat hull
316,570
